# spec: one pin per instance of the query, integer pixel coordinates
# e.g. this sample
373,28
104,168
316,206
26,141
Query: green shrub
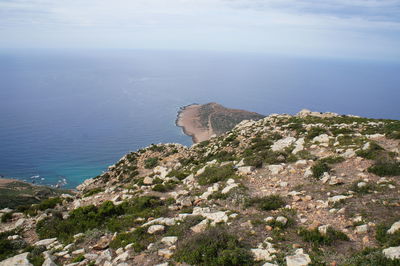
372,153
315,131
370,257
168,186
106,216
183,228
332,159
93,191
267,203
35,255
319,169
157,148
151,162
78,258
215,246
387,239
7,247
139,238
385,169
316,238
6,217
213,174
180,174
368,188
254,160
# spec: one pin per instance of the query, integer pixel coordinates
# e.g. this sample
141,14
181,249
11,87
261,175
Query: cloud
358,28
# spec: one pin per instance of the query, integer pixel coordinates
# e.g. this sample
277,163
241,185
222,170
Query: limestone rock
18,260
283,143
299,259
394,228
155,229
392,252
261,254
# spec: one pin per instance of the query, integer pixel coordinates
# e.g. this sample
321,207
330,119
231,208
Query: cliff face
288,190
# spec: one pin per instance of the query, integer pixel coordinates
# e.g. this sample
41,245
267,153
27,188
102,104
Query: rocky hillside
310,189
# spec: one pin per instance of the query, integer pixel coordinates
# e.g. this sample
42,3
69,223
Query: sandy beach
188,120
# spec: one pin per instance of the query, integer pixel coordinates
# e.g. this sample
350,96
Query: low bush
215,246
368,188
151,162
316,238
167,186
180,174
372,152
385,169
370,257
106,216
6,217
268,203
387,239
183,228
93,191
315,131
139,238
213,174
319,168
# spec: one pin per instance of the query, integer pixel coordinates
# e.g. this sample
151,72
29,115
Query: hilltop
203,121
313,188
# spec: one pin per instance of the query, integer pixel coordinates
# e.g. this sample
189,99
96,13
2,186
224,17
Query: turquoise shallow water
70,115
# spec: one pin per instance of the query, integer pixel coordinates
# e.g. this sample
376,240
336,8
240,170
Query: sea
65,116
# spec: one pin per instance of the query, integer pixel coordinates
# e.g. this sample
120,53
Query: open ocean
69,115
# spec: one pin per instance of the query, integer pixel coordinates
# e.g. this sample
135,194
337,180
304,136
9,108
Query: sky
359,29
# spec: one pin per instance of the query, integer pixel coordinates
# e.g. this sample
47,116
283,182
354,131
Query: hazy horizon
352,29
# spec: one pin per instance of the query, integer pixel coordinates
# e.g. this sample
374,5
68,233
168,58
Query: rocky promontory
203,121
306,189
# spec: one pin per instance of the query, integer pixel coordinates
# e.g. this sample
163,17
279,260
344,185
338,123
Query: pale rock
166,253
161,171
308,173
106,255
229,188
246,170
91,256
123,257
361,229
49,262
301,163
323,138
392,252
78,251
148,180
349,153
283,184
337,198
283,143
261,254
200,227
189,180
281,219
394,228
299,259
155,229
169,240
18,260
20,222
323,229
299,146
275,168
45,242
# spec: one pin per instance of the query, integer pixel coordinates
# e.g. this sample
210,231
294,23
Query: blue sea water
71,114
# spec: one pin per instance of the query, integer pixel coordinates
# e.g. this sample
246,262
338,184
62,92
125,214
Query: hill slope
288,190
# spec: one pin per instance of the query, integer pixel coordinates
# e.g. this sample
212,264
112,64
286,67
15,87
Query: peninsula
204,121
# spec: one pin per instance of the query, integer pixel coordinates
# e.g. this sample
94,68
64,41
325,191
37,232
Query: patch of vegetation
389,240
316,238
106,216
315,131
139,238
78,258
6,217
267,203
183,228
332,159
151,162
42,206
35,256
385,169
370,257
93,191
157,148
215,246
368,188
319,168
167,186
213,174
372,153
8,248
180,174
336,131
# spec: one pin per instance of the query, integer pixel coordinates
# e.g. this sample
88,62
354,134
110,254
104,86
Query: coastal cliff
312,188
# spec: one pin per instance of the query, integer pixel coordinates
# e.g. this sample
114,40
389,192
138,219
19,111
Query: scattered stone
45,242
362,229
169,240
394,228
155,229
299,259
275,169
392,252
261,254
18,260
